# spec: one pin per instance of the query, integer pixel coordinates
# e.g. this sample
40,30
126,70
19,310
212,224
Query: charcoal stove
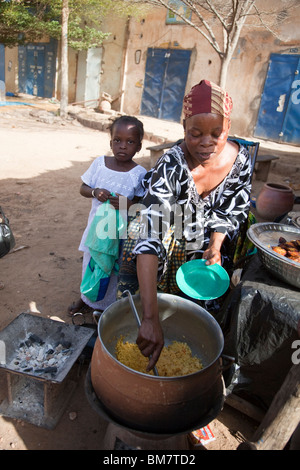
39,394
121,437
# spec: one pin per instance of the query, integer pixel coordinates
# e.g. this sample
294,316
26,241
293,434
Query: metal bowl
266,235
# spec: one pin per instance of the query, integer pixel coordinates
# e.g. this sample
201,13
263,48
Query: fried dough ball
289,246
279,250
294,256
290,250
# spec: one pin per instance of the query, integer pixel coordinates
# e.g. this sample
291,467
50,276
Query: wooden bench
157,151
281,419
262,163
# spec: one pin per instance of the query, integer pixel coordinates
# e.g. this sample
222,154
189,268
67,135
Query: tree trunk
225,61
64,60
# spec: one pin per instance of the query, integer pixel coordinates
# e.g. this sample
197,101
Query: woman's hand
150,340
213,252
212,256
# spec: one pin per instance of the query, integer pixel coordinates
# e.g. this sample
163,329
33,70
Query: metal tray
266,235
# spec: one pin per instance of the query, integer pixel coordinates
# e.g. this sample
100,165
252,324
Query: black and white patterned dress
176,222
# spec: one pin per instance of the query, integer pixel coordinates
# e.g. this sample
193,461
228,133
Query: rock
72,415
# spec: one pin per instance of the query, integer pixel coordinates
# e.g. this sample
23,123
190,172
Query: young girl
118,175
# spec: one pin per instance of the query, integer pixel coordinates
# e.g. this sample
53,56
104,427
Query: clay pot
105,105
274,200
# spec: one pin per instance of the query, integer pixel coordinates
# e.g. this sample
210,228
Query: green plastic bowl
202,282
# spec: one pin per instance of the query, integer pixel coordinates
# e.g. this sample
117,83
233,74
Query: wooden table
281,419
157,151
263,166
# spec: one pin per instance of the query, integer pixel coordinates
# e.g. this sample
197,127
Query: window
181,8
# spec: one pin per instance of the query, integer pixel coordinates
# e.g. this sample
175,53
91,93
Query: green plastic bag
103,241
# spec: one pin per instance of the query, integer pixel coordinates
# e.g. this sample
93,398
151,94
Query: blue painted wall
279,113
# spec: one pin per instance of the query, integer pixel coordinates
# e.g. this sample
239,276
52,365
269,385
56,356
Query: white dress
126,183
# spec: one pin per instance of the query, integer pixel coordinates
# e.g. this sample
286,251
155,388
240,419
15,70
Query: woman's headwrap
207,97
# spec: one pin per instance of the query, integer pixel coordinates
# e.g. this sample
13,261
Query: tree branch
210,38
264,24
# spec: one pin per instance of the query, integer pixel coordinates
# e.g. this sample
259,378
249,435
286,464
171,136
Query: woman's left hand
213,252
212,256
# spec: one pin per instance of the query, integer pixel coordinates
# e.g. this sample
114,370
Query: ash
29,398
38,357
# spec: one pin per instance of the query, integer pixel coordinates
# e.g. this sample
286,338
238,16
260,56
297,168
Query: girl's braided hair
129,120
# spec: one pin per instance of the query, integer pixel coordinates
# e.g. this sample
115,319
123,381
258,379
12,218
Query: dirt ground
41,164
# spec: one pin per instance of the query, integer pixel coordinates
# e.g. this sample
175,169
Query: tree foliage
25,21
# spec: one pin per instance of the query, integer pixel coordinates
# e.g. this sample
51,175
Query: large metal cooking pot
158,404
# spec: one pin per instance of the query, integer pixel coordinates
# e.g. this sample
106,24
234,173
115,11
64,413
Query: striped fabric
207,97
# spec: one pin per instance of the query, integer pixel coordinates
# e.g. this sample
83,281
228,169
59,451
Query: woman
197,196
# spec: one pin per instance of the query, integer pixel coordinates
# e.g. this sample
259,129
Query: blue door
165,79
37,68
279,113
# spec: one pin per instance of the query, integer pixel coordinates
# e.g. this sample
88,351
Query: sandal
76,307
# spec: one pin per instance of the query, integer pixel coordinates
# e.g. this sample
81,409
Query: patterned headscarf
207,97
